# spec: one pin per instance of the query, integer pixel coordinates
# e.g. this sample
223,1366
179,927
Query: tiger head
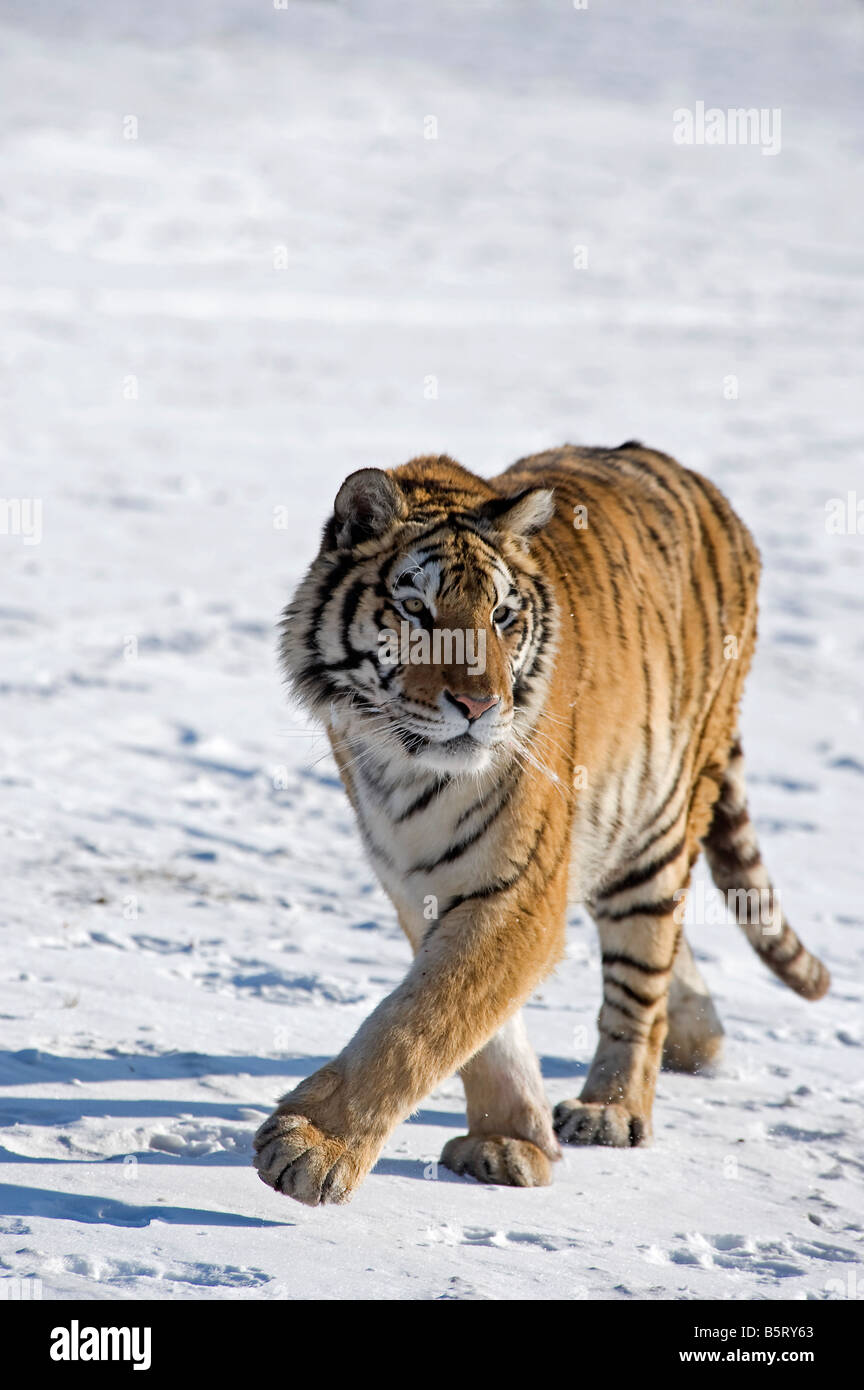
425,624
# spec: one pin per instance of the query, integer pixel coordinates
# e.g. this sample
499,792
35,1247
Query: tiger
587,759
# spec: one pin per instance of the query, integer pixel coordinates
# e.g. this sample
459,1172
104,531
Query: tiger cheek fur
589,756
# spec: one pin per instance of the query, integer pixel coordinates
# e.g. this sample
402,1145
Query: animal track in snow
461,1290
264,981
450,1234
770,1260
188,1139
129,1272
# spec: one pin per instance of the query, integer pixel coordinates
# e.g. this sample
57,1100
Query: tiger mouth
415,742
460,743
464,743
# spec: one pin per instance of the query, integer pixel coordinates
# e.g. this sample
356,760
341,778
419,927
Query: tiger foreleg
473,971
510,1138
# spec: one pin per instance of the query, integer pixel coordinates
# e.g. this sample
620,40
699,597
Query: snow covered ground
237,268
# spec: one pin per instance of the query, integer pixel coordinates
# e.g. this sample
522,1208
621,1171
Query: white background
169,393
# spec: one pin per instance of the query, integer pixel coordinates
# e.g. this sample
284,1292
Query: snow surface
280,280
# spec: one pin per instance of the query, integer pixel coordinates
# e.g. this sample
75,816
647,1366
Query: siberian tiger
587,757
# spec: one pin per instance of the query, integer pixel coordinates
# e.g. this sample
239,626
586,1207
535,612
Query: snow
278,281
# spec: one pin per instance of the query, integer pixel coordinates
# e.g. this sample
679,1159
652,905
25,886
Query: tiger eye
413,605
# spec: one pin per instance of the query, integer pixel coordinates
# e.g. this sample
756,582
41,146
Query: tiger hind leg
694,1041
639,927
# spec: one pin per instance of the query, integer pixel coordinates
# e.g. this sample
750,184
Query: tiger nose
471,705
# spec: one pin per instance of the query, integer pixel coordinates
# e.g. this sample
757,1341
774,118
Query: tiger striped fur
590,759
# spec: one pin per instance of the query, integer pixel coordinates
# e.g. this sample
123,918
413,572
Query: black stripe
648,721
674,682
662,907
456,851
432,486
498,885
350,604
619,958
422,801
529,627
688,511
711,554
727,822
564,568
732,862
659,542
502,885
773,948
326,589
639,876
634,1037
658,503
624,1009
371,844
374,783
514,775
387,566
726,519
617,603
644,999
661,810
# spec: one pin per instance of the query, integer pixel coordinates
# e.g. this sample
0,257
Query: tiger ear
367,504
522,514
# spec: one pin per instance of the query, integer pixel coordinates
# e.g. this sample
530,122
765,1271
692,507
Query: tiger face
423,626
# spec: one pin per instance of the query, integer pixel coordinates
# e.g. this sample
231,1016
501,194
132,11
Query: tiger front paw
296,1158
589,1122
495,1159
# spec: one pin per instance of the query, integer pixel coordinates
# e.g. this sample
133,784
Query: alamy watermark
850,1287
756,906
77,1343
844,516
17,1289
418,646
22,516
738,125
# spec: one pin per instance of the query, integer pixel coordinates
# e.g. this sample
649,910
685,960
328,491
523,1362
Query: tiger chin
589,757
